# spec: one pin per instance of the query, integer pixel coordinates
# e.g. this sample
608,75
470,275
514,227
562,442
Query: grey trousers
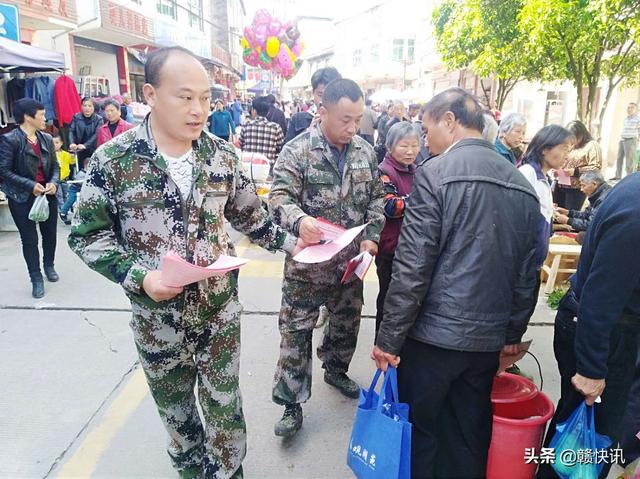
626,156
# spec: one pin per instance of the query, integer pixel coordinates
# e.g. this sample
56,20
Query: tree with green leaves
586,41
484,36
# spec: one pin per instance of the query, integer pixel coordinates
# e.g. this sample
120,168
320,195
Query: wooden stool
558,252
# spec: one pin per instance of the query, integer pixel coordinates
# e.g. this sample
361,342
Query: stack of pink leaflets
335,238
563,178
359,266
177,272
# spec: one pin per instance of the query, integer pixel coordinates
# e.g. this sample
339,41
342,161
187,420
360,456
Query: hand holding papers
177,272
358,266
325,251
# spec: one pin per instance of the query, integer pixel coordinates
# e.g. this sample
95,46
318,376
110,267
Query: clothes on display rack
15,91
40,88
66,99
4,111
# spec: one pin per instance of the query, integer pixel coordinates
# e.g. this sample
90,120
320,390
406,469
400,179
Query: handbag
380,444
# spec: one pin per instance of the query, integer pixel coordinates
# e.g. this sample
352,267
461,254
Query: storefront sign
122,19
168,33
49,9
9,22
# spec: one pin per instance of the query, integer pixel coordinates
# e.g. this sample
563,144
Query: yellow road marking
83,462
242,246
257,268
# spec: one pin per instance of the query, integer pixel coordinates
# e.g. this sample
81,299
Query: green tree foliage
593,43
586,41
484,36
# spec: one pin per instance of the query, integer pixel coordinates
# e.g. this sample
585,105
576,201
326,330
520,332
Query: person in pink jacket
114,124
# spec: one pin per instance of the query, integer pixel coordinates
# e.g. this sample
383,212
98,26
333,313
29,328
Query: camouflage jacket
306,181
130,213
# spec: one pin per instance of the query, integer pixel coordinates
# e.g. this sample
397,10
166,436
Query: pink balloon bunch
272,45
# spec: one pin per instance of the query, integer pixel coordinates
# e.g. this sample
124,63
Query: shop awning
218,87
18,57
260,87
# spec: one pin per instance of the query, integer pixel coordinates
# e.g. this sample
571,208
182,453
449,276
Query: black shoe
291,421
37,289
51,274
345,385
65,219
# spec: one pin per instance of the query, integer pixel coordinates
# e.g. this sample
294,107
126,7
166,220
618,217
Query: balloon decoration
272,45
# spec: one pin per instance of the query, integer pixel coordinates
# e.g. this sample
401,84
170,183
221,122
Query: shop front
101,46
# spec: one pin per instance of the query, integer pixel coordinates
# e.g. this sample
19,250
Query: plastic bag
39,212
576,444
632,471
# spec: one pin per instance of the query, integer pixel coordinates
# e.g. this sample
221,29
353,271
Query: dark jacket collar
538,169
39,135
603,188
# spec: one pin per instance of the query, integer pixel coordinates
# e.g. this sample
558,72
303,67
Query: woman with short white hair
511,135
397,171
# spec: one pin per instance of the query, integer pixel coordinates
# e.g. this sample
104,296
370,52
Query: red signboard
43,9
125,20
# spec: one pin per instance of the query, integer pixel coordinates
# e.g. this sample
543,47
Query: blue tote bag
380,445
578,433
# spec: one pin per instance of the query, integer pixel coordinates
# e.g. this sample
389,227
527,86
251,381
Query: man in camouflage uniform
331,173
143,197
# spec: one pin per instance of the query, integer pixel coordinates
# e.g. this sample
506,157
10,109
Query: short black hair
88,98
111,102
465,108
549,137
368,102
25,107
339,89
157,59
260,105
324,76
270,99
58,136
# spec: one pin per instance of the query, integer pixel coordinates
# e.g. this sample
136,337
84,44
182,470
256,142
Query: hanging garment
41,89
66,99
15,91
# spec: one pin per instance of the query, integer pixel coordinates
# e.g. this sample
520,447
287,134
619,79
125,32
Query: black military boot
345,385
291,421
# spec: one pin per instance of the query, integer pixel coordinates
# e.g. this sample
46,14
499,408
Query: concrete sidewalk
75,403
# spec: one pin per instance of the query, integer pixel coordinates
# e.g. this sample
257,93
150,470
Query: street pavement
74,402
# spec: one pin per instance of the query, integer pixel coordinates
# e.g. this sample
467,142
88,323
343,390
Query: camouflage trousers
298,315
178,351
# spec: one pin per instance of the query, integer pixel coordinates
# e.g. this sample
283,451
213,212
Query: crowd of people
459,212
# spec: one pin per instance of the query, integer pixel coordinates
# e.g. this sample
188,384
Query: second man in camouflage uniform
326,172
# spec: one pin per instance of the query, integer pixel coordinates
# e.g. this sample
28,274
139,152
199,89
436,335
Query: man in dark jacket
29,169
276,115
462,288
302,120
607,329
593,185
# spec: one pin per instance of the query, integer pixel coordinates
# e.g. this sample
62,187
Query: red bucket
520,416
